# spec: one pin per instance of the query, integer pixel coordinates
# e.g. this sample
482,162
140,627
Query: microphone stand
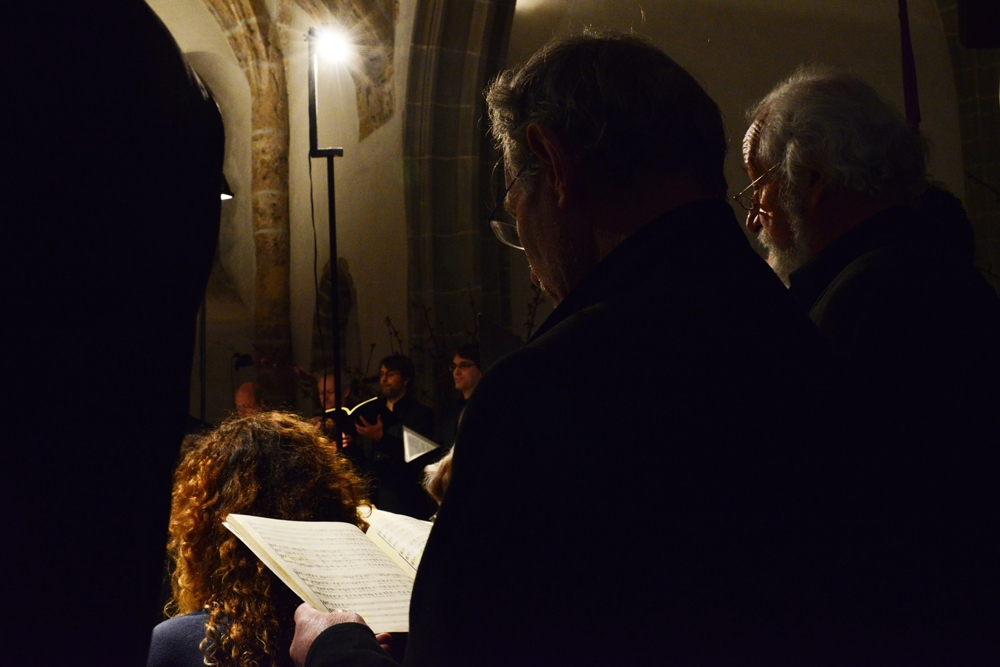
329,154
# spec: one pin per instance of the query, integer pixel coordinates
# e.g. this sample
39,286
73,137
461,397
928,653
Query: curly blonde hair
267,464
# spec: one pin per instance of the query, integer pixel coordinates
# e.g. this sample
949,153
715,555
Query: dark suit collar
671,237
400,405
885,228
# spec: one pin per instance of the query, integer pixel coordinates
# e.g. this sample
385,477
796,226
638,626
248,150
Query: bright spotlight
334,44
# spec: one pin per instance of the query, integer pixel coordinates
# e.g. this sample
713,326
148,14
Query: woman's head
437,477
267,464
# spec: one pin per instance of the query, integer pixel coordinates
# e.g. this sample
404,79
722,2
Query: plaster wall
739,50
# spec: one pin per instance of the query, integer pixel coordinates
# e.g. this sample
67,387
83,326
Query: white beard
784,261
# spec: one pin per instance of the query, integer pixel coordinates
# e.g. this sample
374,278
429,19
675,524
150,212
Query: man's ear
816,189
551,154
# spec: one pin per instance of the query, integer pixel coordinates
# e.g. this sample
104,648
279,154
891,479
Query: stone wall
977,82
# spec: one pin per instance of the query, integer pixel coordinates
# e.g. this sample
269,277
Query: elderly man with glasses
881,261
883,264
621,494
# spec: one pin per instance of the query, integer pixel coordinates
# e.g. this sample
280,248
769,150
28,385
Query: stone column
255,40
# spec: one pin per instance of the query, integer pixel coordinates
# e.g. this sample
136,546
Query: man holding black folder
651,478
380,426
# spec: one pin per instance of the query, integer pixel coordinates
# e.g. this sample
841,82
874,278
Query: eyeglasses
506,232
746,201
388,374
464,365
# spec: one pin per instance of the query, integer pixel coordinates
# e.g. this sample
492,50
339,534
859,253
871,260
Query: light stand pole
329,154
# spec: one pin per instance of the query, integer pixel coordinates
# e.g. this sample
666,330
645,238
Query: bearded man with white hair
883,263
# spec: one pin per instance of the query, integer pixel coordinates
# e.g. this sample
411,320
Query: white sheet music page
403,535
415,445
340,565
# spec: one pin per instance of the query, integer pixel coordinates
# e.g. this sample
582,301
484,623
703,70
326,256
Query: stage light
334,44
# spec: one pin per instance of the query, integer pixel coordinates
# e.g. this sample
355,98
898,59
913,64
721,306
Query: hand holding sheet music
333,565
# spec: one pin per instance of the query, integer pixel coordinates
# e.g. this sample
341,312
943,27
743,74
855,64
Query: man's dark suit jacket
918,328
398,483
658,477
914,319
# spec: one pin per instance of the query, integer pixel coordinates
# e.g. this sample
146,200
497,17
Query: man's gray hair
614,99
834,125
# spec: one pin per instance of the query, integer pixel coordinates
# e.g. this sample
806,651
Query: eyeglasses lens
745,200
506,233
503,224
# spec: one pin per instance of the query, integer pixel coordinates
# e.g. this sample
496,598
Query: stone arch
457,47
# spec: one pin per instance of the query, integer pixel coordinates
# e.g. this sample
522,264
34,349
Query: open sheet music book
333,565
333,412
346,418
